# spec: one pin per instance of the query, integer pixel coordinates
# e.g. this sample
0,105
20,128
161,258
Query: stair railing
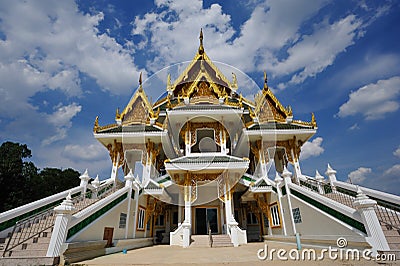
37,224
388,214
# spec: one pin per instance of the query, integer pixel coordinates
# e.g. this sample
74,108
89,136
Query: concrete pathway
243,255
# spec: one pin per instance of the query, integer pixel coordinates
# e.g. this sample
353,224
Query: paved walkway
243,255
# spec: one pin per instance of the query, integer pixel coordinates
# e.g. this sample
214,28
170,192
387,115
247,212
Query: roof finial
140,81
201,48
265,80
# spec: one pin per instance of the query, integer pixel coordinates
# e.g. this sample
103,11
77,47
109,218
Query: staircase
221,241
388,216
30,237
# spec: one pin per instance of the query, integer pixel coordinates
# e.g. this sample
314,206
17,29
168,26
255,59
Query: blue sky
64,62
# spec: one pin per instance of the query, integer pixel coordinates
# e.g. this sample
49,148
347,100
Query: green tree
12,169
50,181
21,181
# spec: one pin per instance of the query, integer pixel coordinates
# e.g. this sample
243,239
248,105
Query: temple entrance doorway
206,217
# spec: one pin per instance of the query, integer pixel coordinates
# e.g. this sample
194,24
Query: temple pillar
59,235
375,236
128,183
114,170
331,176
180,203
187,223
84,181
187,140
320,179
278,181
287,178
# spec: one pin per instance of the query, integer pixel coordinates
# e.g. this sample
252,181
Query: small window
122,220
275,216
251,218
141,218
296,215
160,220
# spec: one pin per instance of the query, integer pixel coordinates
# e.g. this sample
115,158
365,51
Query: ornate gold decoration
234,84
265,80
262,205
205,177
96,124
313,121
154,115
115,150
138,108
169,82
150,207
192,127
140,81
201,48
117,114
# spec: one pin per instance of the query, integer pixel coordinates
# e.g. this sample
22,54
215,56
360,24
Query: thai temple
201,166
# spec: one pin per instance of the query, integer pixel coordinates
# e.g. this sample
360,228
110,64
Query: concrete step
26,253
199,241
29,261
222,241
35,246
387,232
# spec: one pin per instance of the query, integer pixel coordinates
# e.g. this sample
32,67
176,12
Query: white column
287,177
222,216
180,203
187,223
96,184
84,181
278,181
147,169
114,170
296,166
60,230
128,183
375,236
331,176
187,142
319,178
135,217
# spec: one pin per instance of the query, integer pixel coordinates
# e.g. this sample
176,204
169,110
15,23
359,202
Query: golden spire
313,121
140,82
265,80
117,114
201,48
96,124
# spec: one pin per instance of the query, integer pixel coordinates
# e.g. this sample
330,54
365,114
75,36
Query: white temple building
202,165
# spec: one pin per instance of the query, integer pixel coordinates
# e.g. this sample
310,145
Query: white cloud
354,127
84,152
48,44
313,53
312,148
371,68
373,101
393,171
61,120
360,175
397,152
252,47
